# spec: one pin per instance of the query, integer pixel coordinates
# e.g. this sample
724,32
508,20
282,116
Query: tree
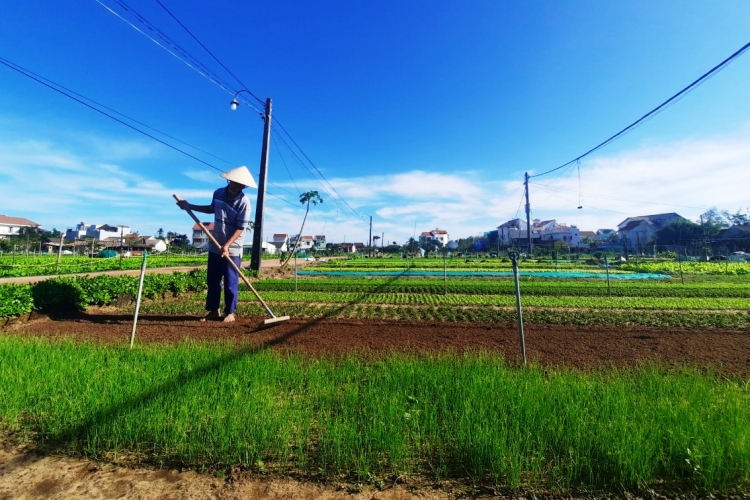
410,246
680,232
738,218
310,197
160,234
431,246
712,222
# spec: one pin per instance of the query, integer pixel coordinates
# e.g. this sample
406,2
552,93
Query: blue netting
538,274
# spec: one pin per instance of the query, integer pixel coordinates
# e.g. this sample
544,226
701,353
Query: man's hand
183,204
225,250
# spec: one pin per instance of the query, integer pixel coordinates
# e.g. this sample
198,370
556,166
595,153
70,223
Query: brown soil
725,351
24,474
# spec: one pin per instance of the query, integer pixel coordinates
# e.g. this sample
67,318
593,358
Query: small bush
15,300
59,296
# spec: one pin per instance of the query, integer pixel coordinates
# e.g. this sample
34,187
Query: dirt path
270,266
26,475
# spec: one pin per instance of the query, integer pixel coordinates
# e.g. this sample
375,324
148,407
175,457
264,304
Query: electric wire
119,113
548,188
209,52
336,198
189,64
183,56
17,69
552,193
283,161
656,110
203,70
281,126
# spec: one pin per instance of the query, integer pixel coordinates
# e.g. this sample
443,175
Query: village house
635,232
10,226
99,232
200,238
438,235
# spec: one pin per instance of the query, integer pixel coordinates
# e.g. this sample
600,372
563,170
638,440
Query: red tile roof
208,225
17,221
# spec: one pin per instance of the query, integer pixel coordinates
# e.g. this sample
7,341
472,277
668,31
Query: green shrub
59,296
15,300
65,295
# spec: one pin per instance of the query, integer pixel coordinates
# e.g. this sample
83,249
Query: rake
273,319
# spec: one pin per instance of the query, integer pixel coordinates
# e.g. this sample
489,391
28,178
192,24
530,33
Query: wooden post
59,254
679,259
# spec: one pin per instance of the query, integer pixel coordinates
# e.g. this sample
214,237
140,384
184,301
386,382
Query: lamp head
233,105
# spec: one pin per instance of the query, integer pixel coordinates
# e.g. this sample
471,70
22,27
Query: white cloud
58,188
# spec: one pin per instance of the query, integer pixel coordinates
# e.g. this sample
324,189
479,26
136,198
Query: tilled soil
26,474
724,351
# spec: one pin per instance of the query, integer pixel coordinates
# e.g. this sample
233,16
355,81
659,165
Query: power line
315,167
69,96
656,110
183,56
283,161
549,188
336,198
118,113
204,71
209,52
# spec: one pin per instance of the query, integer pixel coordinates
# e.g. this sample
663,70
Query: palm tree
305,199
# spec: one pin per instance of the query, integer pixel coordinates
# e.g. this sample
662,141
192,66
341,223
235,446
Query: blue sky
420,114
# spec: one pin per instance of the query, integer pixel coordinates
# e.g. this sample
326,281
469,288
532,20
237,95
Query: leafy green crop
67,294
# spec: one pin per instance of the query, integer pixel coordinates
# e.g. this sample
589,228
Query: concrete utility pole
255,259
528,210
370,244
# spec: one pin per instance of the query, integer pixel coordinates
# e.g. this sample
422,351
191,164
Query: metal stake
138,300
606,266
513,257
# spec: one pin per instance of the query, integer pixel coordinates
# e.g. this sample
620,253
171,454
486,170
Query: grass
468,417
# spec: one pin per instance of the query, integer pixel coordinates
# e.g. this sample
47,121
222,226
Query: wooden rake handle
231,262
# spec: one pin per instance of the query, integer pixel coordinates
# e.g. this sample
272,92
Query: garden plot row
737,289
507,300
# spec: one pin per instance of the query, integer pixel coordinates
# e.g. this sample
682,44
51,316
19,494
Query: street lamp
255,259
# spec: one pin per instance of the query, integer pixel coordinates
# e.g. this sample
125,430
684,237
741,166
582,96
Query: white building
438,235
98,231
10,226
200,238
320,242
305,243
514,230
550,230
280,242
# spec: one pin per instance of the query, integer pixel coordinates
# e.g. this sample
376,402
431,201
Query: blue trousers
219,269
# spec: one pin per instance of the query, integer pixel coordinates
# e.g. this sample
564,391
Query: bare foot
228,318
213,315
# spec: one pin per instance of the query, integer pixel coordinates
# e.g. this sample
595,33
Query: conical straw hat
240,175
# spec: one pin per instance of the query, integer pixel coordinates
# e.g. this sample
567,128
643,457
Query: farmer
231,210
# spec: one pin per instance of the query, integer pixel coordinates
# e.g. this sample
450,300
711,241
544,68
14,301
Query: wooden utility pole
257,254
